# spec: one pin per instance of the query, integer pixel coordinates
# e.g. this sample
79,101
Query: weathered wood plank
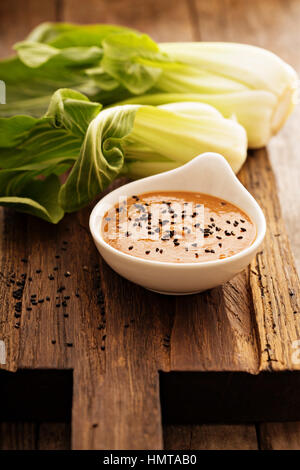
34,436
215,330
53,436
279,436
18,436
210,437
128,412
273,278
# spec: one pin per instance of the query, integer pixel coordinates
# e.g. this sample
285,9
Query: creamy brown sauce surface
178,227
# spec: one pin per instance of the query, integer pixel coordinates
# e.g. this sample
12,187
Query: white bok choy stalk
144,140
270,84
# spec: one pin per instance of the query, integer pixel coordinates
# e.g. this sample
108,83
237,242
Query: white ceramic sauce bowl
208,173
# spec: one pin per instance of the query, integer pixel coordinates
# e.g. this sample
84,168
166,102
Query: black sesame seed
220,245
212,251
218,237
147,252
228,222
207,251
242,220
243,229
239,238
196,255
130,247
227,233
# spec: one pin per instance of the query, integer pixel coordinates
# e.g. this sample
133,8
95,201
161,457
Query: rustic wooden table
83,367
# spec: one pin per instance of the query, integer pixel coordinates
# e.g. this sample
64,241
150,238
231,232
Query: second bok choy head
99,145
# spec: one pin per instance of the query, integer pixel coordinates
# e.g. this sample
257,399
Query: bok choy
100,145
111,64
250,83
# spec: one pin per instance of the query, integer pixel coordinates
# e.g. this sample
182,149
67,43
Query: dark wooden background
106,324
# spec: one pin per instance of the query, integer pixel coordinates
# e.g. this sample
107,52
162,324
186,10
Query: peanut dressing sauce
178,227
